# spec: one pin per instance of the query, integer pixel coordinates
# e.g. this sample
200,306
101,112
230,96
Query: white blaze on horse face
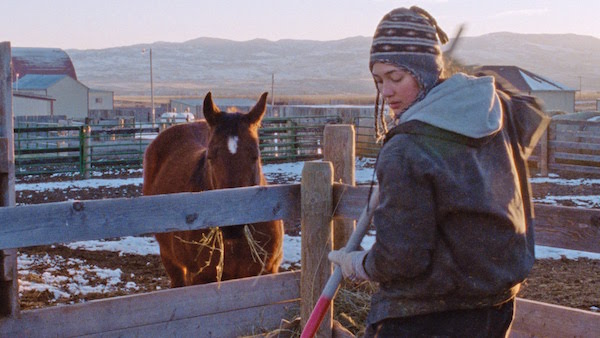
232,144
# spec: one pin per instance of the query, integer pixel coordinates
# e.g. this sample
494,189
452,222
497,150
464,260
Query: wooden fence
571,146
232,308
568,146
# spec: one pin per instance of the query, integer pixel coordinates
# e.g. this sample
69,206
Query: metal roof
34,81
48,61
524,80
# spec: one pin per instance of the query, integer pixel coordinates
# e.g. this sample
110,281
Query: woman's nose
387,90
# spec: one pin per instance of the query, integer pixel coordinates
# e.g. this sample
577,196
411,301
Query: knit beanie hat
408,38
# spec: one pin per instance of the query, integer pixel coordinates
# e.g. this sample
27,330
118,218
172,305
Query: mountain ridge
310,67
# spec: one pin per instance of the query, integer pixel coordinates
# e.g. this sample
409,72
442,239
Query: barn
556,97
45,83
43,61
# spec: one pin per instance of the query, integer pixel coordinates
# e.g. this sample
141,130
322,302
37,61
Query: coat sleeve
405,217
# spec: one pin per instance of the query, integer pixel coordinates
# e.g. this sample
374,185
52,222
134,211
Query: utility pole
272,90
152,115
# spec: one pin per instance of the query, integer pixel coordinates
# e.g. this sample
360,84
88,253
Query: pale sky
85,24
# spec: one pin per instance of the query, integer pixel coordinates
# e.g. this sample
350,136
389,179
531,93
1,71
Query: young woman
454,235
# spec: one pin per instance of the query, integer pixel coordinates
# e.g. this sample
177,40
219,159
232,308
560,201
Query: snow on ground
148,246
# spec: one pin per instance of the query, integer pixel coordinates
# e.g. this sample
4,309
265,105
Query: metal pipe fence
82,149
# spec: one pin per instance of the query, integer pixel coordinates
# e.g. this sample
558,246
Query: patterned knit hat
408,38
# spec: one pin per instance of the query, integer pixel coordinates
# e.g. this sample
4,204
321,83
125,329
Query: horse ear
211,111
259,109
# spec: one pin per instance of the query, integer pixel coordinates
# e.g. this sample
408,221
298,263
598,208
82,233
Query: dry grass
350,308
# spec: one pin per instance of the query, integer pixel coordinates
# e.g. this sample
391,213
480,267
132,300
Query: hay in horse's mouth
259,254
214,242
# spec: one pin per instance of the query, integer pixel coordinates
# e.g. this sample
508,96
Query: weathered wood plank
561,156
349,201
556,167
338,148
581,123
237,323
65,222
574,146
535,319
316,241
9,288
567,227
589,135
205,308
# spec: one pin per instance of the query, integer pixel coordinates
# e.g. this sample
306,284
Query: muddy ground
572,283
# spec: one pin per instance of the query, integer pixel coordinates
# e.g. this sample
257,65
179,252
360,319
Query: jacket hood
462,104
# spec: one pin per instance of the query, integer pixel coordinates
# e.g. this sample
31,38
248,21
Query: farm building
43,61
556,97
101,101
71,96
45,83
25,104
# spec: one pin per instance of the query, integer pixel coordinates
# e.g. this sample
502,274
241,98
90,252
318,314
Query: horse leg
174,270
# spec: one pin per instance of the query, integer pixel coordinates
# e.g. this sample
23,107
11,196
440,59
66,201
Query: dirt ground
572,283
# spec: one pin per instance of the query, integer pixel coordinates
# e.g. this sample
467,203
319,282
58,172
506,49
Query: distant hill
304,67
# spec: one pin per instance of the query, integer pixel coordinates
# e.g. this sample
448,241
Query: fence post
9,282
338,148
291,127
316,193
85,134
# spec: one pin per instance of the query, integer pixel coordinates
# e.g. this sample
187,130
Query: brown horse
217,153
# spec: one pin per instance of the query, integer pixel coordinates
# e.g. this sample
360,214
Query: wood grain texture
317,233
338,149
65,222
228,309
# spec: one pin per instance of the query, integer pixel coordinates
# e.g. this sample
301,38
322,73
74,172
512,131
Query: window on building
98,100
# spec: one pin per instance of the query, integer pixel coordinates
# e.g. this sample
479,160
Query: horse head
233,154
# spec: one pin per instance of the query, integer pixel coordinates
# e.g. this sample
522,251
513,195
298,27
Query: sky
84,24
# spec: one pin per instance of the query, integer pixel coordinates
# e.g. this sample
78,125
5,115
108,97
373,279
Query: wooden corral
572,146
232,308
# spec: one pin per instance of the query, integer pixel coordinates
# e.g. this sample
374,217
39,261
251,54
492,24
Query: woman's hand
351,263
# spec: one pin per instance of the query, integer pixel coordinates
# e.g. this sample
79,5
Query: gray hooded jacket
454,221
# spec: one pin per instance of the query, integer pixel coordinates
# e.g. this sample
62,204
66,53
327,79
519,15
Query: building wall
101,100
24,106
557,100
71,98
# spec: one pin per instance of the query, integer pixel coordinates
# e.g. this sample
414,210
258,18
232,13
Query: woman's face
397,86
